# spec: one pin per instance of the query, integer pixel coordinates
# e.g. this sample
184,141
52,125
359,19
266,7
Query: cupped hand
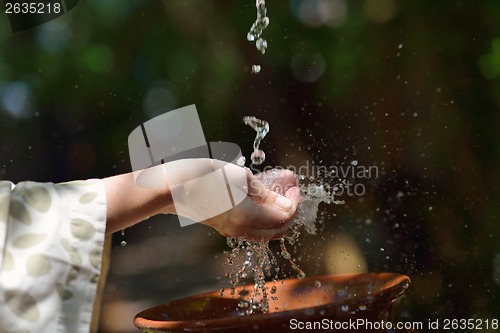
266,212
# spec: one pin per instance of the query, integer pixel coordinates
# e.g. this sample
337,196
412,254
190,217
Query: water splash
258,262
255,33
241,161
312,195
258,259
261,127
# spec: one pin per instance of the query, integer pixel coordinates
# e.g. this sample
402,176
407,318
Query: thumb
286,204
293,194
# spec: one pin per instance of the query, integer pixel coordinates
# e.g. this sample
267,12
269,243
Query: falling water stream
258,259
261,127
255,33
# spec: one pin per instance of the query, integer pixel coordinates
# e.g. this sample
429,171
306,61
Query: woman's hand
267,211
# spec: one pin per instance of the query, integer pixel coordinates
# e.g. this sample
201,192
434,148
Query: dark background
411,87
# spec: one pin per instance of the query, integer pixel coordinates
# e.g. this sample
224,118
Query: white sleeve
51,246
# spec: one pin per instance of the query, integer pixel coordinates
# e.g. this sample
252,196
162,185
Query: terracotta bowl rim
396,286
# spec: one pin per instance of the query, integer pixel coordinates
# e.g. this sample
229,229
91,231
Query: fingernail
283,202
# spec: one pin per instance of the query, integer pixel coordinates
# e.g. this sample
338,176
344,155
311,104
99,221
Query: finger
271,213
257,190
260,193
287,203
260,222
294,195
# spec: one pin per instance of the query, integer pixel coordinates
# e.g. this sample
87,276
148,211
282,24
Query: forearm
131,200
129,203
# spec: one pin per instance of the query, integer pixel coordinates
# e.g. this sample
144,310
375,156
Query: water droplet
285,255
258,157
354,163
362,307
317,283
261,45
231,242
241,161
261,127
265,22
261,23
345,308
123,243
256,69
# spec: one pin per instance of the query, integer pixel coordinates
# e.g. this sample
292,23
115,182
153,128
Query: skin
264,214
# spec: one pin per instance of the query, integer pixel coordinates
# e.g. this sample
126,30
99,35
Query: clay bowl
331,299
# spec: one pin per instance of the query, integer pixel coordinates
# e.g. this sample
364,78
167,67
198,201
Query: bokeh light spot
344,255
53,36
316,13
181,64
98,58
308,67
159,99
489,66
16,99
380,11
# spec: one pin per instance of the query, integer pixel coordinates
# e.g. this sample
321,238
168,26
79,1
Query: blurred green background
412,87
